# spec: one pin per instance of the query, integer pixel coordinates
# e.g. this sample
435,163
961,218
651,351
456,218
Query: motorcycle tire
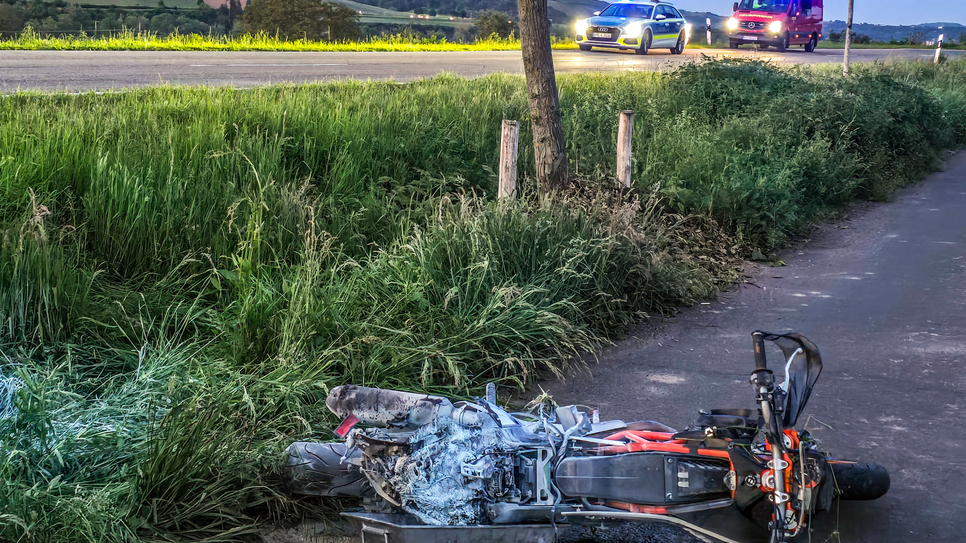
316,469
857,482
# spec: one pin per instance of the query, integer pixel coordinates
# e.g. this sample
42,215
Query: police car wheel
679,48
585,47
645,44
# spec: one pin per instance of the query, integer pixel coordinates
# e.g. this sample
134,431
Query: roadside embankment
146,41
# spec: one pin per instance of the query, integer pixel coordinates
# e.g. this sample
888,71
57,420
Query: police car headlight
581,27
775,27
733,23
633,30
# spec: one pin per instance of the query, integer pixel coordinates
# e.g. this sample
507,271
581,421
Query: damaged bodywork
476,464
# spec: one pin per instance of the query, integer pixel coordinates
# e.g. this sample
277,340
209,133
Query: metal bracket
544,495
366,529
781,464
780,496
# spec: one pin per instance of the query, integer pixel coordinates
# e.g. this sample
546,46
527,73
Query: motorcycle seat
727,418
729,423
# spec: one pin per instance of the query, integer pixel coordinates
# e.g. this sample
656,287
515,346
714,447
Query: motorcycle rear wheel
316,469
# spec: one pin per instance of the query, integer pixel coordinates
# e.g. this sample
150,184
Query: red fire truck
776,23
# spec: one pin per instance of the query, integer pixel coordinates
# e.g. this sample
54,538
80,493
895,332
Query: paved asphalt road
102,70
883,295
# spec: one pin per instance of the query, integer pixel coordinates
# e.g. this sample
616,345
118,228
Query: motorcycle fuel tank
643,478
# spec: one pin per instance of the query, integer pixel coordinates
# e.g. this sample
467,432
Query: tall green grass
184,273
30,40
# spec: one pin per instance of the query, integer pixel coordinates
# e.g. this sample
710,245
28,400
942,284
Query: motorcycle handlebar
759,341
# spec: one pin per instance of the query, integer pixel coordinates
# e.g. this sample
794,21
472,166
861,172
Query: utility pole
549,148
848,38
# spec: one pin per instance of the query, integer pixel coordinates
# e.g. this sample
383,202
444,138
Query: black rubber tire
316,469
783,45
679,47
811,45
760,512
585,47
857,481
645,43
733,44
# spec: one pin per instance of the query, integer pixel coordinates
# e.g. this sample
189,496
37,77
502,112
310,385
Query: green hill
884,33
562,11
180,4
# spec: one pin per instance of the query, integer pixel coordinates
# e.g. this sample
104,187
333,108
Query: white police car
635,25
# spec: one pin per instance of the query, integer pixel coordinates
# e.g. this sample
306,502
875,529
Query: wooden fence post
624,130
509,138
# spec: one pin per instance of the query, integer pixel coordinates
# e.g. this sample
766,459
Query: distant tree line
460,8
61,17
288,19
445,7
914,38
920,38
838,37
488,23
302,19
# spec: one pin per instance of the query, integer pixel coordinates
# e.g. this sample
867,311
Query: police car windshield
769,6
629,11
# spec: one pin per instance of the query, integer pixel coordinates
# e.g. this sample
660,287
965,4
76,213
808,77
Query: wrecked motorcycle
476,464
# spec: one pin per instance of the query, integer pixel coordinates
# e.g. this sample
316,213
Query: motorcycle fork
780,463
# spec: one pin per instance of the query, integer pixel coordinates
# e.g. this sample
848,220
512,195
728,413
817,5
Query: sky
886,12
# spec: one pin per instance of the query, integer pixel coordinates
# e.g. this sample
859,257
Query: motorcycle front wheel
856,481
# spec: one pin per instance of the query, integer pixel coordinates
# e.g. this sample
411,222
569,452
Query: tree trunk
848,39
549,148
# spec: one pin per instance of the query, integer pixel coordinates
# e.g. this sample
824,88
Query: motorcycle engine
452,470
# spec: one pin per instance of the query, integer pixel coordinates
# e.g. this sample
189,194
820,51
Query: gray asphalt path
883,295
79,71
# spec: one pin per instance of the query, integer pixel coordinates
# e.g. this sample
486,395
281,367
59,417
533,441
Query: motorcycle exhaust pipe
386,408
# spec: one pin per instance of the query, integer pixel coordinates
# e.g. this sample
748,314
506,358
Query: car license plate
750,38
601,34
